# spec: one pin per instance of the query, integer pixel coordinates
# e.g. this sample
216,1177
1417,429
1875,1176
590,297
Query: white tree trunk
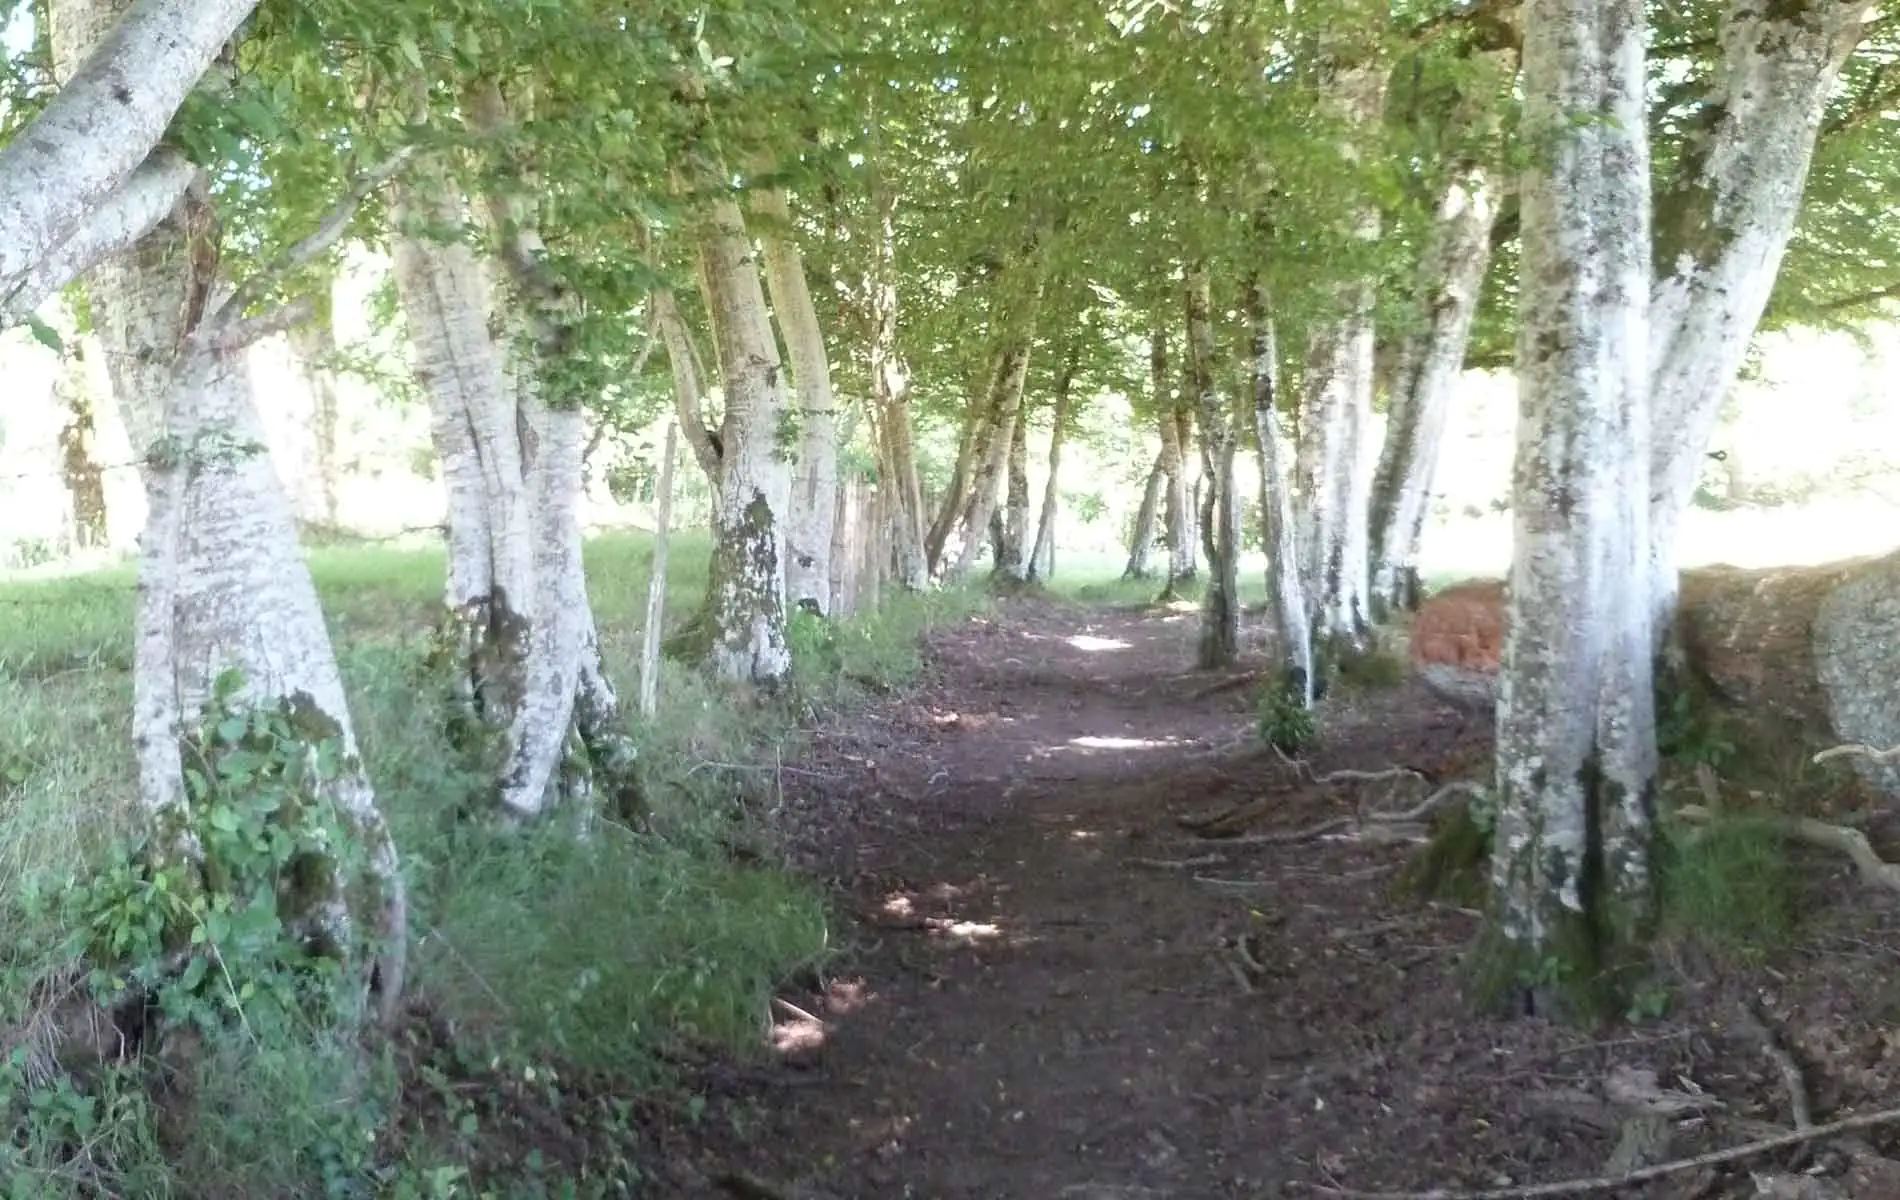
814,510
1042,554
1012,520
134,66
1576,736
1338,401
890,399
1220,604
1177,449
1722,226
223,585
1141,543
1280,529
1431,360
755,484
998,429
521,626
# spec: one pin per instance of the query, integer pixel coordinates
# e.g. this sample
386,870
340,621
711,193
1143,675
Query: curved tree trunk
957,493
1220,604
1141,543
1576,758
1431,358
227,610
814,508
755,485
1722,225
1009,553
1280,531
997,432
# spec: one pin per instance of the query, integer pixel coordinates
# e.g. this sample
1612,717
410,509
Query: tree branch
238,333
128,214
103,124
333,226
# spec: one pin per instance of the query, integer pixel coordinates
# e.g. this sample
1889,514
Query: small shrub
1282,717
1370,670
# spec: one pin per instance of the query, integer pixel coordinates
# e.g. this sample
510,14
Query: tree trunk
1722,225
228,617
1042,557
1576,757
520,626
1177,447
1220,604
898,479
755,486
957,493
1286,602
997,432
78,464
1142,543
314,344
1430,361
689,381
1009,560
814,509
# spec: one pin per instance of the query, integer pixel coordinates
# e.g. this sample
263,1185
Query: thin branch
1856,749
227,336
1792,1080
1604,1183
333,226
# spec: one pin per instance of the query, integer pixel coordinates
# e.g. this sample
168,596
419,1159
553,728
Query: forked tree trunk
79,465
1141,543
1431,359
814,507
1177,450
223,587
520,629
689,380
1576,758
1220,604
956,493
747,589
313,344
997,432
1042,556
1722,226
1286,602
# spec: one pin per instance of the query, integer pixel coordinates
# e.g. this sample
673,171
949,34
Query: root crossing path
1052,987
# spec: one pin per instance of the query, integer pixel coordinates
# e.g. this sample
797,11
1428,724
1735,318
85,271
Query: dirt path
1043,995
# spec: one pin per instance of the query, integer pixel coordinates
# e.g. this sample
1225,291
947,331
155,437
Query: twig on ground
1246,955
1239,974
1231,684
1604,1183
1792,1080
1857,750
1351,776
1287,837
1212,881
1176,864
1851,842
1429,804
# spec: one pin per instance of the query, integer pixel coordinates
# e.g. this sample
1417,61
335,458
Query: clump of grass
1731,887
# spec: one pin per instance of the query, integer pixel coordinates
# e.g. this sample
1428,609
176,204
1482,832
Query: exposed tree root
1604,1183
1792,1080
1213,829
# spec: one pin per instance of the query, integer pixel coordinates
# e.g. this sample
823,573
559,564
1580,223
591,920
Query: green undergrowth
562,976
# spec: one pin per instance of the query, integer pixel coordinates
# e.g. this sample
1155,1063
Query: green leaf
46,335
224,819
410,50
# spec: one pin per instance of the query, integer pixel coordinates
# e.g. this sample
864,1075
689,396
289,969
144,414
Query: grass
601,959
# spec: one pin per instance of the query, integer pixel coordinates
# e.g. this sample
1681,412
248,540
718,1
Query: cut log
1810,653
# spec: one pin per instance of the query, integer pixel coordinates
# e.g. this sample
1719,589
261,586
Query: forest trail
1051,988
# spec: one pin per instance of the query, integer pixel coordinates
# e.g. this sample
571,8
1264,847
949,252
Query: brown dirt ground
1040,993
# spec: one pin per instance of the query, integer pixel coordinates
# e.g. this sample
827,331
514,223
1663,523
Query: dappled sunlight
1084,835
1122,743
1090,644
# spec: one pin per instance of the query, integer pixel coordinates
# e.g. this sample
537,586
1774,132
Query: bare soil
1053,987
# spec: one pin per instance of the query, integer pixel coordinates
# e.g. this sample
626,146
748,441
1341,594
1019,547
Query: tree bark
1042,556
136,64
1430,361
957,493
1280,530
1220,604
1722,225
1576,757
814,507
755,485
689,381
1177,449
